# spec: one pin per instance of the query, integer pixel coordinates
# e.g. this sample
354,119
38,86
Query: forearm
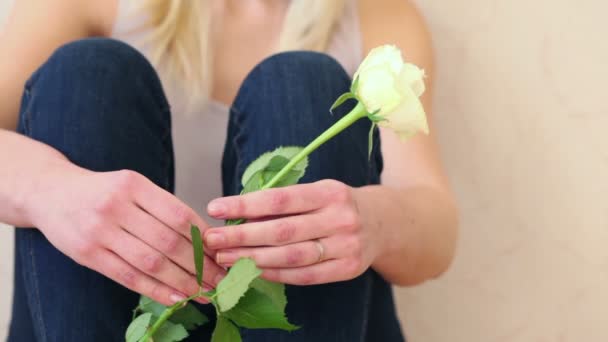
27,165
416,228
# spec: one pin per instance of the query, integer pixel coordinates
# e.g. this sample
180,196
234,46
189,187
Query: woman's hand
316,234
123,226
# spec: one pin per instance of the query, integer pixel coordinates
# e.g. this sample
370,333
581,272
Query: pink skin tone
126,228
284,246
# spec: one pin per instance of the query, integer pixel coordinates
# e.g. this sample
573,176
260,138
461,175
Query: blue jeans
100,103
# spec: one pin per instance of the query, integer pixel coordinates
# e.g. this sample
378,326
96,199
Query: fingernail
226,257
216,208
218,278
215,239
176,297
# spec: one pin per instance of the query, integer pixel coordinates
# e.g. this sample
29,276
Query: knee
95,79
307,63
103,65
303,81
94,86
300,67
96,55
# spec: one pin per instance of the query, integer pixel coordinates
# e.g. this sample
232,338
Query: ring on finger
321,250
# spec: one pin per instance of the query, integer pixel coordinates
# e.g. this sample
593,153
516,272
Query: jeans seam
167,143
35,299
236,146
367,296
26,113
28,93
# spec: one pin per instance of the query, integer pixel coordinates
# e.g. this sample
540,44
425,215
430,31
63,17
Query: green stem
167,314
161,320
357,113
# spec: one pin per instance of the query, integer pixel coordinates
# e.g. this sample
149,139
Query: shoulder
396,22
85,18
34,29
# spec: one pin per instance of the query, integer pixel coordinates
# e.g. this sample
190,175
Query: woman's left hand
303,234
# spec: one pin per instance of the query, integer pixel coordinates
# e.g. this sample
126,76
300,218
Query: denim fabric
100,103
284,101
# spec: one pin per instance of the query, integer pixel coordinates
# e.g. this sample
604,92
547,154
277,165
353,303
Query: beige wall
521,114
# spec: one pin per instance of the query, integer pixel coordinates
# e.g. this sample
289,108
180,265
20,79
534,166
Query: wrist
418,226
32,199
371,210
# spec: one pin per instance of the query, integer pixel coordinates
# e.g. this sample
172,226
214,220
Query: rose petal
408,118
385,55
393,87
414,77
377,90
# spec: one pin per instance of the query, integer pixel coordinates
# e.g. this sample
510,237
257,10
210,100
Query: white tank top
199,137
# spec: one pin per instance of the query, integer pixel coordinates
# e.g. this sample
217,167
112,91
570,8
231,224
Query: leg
100,103
285,101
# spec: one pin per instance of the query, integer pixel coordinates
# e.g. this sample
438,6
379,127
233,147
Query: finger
167,208
281,201
213,273
265,218
321,273
153,263
115,268
168,242
159,236
294,255
277,232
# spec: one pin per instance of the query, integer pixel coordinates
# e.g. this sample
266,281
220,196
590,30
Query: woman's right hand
121,225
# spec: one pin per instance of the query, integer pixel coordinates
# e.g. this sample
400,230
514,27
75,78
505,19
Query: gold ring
321,249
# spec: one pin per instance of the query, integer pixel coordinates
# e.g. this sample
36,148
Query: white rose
387,84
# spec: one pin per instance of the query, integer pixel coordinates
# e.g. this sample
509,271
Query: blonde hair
180,42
